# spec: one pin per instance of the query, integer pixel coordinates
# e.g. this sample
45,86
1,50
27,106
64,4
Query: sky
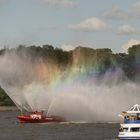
66,24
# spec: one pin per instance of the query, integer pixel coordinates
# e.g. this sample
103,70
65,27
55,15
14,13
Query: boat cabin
132,115
129,132
130,129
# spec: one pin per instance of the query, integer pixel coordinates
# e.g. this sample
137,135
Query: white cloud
127,30
116,13
60,3
68,47
129,44
90,24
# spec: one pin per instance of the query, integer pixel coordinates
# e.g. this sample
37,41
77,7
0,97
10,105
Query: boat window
125,129
135,129
126,117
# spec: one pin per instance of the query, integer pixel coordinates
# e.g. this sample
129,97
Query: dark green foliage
134,62
4,99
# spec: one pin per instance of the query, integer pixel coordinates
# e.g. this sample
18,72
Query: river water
11,129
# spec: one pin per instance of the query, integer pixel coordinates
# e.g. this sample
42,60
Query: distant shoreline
8,108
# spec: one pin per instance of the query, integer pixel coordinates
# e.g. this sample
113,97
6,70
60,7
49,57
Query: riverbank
8,108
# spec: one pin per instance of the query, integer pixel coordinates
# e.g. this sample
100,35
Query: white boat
130,129
129,132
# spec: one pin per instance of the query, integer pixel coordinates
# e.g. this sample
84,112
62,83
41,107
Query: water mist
41,85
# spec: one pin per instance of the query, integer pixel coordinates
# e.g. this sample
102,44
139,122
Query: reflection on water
10,128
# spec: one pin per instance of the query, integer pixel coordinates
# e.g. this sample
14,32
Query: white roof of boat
134,109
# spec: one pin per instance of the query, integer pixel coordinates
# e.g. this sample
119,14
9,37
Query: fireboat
130,129
39,117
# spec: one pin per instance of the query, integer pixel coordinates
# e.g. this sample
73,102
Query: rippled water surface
11,129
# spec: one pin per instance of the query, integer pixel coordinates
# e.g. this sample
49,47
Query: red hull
42,119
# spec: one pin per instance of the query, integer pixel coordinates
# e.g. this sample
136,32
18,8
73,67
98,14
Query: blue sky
70,23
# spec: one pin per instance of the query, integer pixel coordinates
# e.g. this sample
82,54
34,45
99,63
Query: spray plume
38,84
